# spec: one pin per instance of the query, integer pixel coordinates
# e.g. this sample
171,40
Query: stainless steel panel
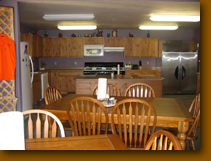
188,72
170,66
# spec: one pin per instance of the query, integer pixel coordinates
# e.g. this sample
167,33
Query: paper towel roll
118,69
102,87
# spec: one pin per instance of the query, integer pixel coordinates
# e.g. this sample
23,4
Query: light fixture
74,27
175,18
158,27
66,17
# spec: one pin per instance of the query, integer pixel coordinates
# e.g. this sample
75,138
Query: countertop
142,77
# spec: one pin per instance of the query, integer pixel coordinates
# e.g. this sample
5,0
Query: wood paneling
74,47
143,72
36,88
85,86
64,80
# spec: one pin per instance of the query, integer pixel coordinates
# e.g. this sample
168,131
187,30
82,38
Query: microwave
93,50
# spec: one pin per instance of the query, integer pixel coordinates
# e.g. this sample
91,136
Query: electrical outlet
75,62
55,63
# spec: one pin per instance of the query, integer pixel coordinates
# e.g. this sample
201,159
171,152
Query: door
170,69
188,72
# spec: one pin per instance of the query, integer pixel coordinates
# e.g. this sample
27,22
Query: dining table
171,112
93,142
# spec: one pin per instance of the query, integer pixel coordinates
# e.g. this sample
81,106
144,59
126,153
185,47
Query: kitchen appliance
103,68
179,68
44,83
134,67
93,50
27,75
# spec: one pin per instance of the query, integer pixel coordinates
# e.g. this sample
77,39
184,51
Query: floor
187,99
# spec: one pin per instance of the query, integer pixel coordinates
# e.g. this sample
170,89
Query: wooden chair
139,90
112,90
163,140
192,131
195,110
134,120
85,116
42,124
52,94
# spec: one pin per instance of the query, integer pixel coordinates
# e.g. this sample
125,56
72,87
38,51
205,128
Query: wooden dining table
94,142
171,112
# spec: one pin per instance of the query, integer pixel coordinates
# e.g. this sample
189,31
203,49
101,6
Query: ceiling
116,14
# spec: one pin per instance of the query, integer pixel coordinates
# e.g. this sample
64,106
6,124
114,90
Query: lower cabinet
36,87
64,80
143,72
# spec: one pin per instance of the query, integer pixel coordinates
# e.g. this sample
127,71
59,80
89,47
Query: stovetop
102,68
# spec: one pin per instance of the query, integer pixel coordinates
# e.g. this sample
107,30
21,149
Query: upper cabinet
35,44
75,47
114,41
93,40
141,47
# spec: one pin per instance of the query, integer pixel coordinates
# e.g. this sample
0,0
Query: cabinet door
62,45
93,40
128,47
39,46
65,80
36,88
74,47
114,41
47,47
55,47
153,47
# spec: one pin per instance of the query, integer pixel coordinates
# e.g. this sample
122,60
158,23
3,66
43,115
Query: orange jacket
7,58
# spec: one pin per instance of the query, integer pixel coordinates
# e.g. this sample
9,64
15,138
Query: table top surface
95,142
165,107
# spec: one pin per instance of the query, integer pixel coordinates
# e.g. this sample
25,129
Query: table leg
182,129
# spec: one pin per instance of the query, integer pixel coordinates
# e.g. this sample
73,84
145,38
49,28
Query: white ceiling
115,14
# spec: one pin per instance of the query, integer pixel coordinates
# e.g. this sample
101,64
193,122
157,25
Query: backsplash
108,57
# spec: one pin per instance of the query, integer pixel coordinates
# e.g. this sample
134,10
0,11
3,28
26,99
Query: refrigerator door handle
183,72
176,73
32,69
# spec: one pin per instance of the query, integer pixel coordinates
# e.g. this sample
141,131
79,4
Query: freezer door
188,72
170,69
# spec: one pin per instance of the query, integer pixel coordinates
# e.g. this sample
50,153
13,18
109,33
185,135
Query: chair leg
192,145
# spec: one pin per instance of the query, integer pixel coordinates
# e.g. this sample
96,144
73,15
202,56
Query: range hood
113,49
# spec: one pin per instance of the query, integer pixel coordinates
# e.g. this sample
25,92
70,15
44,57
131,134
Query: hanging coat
7,58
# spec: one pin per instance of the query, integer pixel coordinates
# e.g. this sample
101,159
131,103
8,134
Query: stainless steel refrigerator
179,67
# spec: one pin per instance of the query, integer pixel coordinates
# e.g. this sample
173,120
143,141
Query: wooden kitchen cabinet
59,47
141,47
93,40
35,44
62,45
75,47
64,80
143,72
47,47
114,41
36,87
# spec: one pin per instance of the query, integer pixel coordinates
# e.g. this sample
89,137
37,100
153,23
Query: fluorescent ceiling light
87,27
63,17
158,27
175,18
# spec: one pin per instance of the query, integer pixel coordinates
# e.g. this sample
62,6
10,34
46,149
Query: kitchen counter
85,83
139,77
